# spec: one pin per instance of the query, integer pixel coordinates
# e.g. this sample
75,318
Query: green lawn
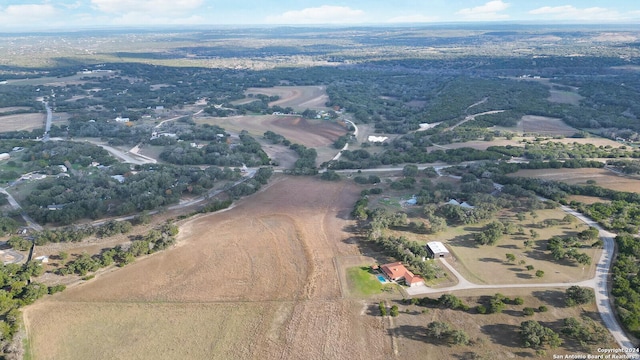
364,283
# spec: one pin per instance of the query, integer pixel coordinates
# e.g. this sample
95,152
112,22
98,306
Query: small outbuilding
437,250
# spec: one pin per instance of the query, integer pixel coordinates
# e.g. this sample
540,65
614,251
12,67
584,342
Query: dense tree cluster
219,153
155,240
98,195
16,290
535,335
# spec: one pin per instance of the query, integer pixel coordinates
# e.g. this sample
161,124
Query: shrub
383,308
528,311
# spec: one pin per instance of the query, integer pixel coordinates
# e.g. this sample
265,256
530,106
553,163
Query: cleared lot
257,281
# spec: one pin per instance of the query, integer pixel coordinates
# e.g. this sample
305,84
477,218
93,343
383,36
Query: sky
34,15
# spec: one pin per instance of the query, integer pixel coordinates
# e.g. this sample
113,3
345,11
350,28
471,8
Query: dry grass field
480,264
257,281
564,97
22,122
493,336
602,177
318,134
544,125
297,97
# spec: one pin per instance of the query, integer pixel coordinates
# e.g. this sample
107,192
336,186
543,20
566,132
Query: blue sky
78,14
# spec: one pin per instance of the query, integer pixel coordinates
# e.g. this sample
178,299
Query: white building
437,249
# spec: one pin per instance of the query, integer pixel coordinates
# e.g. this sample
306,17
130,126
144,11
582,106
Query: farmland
282,287
298,97
22,122
602,177
319,134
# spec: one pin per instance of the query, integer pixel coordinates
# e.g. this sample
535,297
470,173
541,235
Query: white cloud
325,14
146,6
417,18
570,12
26,14
138,19
488,11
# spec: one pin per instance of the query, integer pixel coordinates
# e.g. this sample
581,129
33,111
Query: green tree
511,257
410,170
459,337
576,295
394,311
438,329
535,335
383,308
539,273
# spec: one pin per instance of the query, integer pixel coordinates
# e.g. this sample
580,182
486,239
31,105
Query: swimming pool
382,279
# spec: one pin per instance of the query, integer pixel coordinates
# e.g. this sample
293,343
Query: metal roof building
437,249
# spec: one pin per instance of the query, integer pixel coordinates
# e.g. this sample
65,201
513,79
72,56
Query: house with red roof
398,272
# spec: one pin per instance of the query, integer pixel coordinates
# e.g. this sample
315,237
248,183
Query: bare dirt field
257,281
297,97
22,122
310,133
544,125
602,177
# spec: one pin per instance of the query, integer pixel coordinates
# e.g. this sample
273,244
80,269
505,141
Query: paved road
126,156
14,204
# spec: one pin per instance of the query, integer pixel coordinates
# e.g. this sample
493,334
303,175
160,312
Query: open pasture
602,177
564,97
316,134
19,122
257,281
544,125
492,336
297,97
480,263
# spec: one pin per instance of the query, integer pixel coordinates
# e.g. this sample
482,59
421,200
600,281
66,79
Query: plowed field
259,281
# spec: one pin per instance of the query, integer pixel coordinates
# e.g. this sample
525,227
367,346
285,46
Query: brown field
564,97
602,177
22,122
544,125
257,281
316,134
297,97
13,108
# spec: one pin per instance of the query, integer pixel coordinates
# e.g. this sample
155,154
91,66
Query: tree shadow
418,333
524,354
503,334
467,355
515,269
373,310
514,313
554,298
508,246
493,260
523,275
464,241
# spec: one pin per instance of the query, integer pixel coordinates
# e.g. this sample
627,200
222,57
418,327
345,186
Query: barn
437,250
